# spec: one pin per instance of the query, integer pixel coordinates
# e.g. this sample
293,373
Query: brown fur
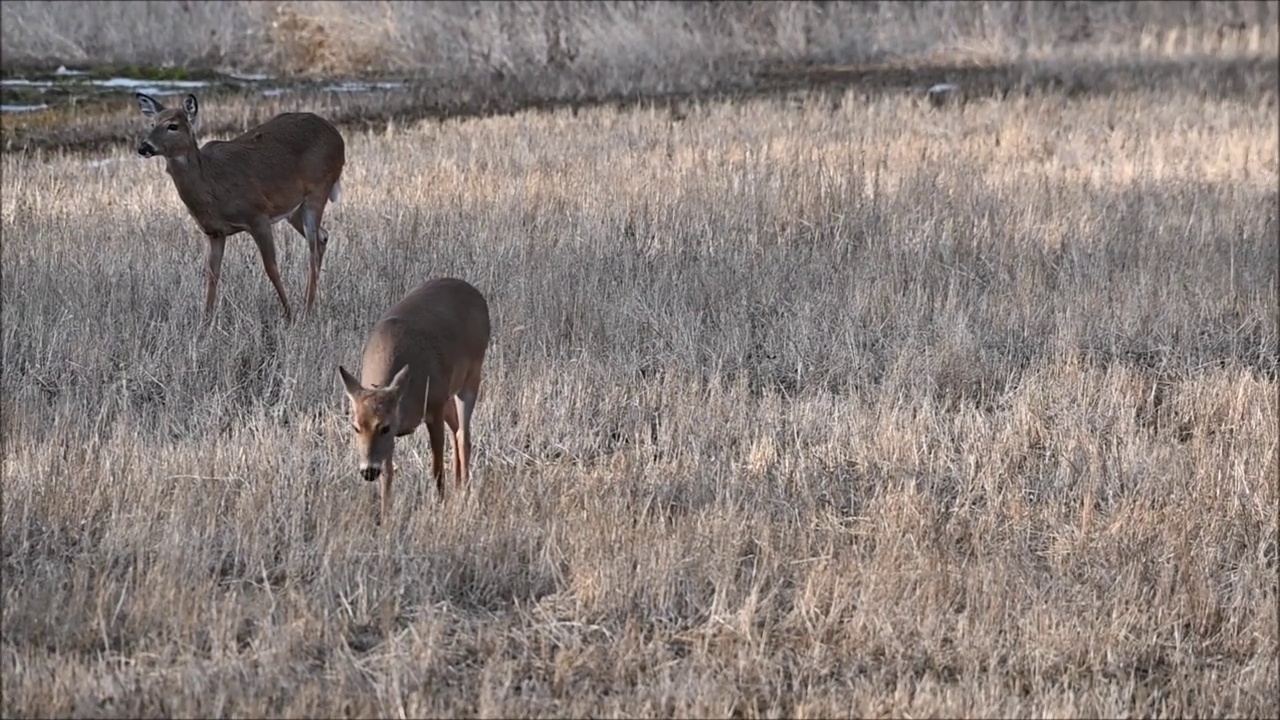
288,167
421,366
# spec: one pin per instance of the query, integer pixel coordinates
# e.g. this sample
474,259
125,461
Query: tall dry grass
603,46
801,411
489,58
954,414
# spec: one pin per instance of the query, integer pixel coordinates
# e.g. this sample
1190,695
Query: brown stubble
787,412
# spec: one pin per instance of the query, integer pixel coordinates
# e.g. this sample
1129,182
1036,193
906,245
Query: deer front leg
388,470
267,248
213,269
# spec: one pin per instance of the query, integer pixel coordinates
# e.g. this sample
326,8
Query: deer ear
397,382
351,384
191,108
149,105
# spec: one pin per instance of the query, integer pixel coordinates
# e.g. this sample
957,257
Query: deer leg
388,470
213,269
435,432
267,248
465,403
306,220
451,420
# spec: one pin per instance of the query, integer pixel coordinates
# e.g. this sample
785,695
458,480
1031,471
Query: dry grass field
792,409
633,46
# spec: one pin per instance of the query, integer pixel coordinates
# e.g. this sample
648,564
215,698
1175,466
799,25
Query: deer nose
146,149
370,473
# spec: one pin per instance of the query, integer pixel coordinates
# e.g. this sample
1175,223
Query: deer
288,167
421,366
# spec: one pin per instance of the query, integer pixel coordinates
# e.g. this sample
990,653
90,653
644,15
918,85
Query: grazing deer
421,365
287,167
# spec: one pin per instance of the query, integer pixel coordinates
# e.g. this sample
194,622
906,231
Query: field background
798,405
635,46
478,59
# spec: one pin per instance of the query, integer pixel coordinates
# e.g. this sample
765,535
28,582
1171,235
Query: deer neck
194,187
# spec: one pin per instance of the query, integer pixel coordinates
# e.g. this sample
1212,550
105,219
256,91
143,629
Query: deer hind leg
465,403
306,220
213,270
267,248
451,421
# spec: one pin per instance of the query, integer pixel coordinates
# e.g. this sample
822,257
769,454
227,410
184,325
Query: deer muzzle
146,149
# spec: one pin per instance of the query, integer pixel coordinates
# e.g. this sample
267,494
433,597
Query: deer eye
173,127
385,429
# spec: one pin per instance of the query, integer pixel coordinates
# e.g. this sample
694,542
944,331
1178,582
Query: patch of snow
135,84
23,82
355,86
22,108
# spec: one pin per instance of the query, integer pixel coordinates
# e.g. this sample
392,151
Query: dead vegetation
819,408
607,46
478,59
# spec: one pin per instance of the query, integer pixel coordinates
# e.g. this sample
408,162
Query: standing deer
421,365
287,167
